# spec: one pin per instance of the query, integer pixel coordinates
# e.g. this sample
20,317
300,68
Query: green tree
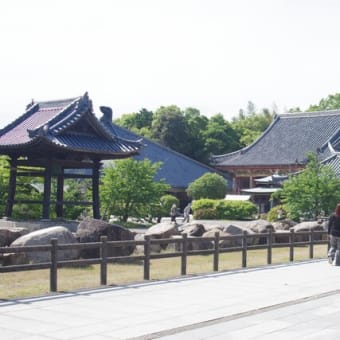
332,102
196,125
251,125
169,128
4,177
313,192
219,136
128,188
139,122
210,185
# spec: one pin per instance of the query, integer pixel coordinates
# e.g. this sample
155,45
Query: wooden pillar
11,187
95,190
47,192
60,195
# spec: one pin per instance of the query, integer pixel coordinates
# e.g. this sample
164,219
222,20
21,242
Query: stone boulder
305,227
227,243
163,230
233,229
261,227
194,229
10,234
91,230
283,224
43,237
194,243
155,248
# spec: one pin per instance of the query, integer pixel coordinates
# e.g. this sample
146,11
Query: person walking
334,236
173,212
186,213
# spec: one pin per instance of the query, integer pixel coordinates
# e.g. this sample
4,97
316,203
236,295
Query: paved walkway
274,302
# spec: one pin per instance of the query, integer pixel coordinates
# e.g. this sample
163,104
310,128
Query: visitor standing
186,213
334,236
173,213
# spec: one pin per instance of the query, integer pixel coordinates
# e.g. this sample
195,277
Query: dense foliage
313,192
195,135
223,210
210,185
129,189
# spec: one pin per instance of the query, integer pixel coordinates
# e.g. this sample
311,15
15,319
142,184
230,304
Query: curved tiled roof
288,140
177,169
68,124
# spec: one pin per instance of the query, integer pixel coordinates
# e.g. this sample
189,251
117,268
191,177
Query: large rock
261,227
285,224
91,230
163,230
194,229
233,229
155,248
223,243
305,227
10,234
43,237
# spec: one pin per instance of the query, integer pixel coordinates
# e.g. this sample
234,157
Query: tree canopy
313,192
129,189
210,185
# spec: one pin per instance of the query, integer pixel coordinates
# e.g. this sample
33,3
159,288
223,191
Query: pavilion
61,139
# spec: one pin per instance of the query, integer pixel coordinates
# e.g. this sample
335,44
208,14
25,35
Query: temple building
282,150
60,139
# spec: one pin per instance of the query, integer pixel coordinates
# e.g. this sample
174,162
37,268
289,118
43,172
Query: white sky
213,55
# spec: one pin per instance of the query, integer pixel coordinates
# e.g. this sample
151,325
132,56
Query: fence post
54,265
270,246
291,245
244,249
103,263
147,257
184,254
311,244
216,250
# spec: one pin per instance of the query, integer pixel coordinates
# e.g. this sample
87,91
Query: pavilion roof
60,126
288,140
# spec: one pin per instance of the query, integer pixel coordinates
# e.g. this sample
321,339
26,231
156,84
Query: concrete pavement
280,301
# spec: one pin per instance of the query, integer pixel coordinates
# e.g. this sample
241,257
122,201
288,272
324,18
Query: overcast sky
214,55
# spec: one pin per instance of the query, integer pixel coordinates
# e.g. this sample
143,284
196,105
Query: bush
223,210
209,185
273,213
166,202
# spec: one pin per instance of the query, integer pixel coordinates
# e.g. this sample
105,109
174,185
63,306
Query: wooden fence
314,238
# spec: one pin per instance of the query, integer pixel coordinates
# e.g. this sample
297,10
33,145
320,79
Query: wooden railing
314,238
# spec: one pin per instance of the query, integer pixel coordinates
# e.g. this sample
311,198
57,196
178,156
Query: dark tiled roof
334,163
64,124
288,140
177,169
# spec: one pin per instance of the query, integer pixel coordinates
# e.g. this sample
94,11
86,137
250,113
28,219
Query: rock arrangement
91,230
280,229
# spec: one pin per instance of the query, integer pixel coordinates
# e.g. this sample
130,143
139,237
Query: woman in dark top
334,236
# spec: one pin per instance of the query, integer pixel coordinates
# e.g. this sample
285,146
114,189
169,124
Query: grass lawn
36,282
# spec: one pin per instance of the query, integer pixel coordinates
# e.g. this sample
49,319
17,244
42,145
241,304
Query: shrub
208,186
223,210
273,213
166,202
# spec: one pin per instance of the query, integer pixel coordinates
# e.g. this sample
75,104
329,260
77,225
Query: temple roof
177,169
61,126
288,140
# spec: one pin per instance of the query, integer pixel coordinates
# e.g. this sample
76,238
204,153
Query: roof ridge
309,113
